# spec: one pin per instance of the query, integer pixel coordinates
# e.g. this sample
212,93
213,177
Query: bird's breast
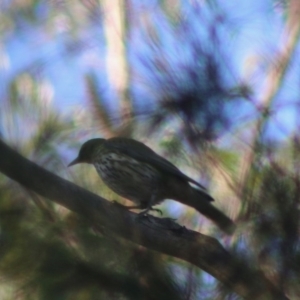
127,176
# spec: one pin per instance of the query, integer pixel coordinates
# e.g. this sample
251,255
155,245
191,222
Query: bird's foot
157,210
145,212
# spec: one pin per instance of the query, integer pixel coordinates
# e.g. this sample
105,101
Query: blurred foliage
186,101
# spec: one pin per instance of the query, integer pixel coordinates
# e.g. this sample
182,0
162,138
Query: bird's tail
200,200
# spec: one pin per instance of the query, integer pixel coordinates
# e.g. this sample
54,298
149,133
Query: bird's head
87,152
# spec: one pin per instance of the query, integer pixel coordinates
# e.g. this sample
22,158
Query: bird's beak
74,162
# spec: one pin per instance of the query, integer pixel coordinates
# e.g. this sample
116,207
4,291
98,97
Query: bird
134,171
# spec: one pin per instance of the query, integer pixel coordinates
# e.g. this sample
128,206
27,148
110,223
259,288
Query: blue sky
250,36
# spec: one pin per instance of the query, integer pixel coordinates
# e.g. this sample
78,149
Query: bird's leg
149,205
157,210
145,212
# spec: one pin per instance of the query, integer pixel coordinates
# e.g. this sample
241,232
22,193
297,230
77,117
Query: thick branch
162,235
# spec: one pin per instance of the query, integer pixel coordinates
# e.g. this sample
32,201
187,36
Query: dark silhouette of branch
159,234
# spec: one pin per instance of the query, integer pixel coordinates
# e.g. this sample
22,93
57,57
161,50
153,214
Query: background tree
165,73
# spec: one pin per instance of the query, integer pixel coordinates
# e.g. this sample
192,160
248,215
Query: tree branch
159,234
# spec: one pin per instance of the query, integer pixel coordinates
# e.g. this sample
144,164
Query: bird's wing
141,152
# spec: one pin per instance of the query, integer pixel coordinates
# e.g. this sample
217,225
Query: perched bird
136,172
